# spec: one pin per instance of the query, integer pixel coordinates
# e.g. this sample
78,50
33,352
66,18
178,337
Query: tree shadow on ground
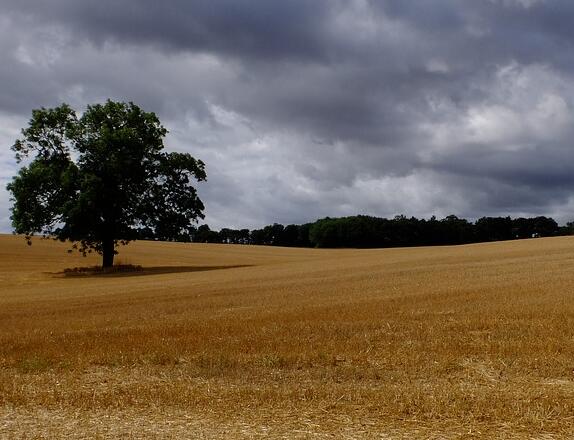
129,270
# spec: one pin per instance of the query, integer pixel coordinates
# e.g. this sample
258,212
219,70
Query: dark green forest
363,231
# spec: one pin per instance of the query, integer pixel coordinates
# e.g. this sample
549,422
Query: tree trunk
108,253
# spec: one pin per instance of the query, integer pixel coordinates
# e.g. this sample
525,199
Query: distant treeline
372,232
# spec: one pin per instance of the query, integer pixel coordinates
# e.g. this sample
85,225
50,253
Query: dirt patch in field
131,270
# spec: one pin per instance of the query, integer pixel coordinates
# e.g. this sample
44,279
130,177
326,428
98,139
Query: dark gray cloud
304,109
242,28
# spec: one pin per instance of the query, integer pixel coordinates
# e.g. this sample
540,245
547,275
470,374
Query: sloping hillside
222,341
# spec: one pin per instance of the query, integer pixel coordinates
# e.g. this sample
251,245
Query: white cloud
9,131
437,66
523,106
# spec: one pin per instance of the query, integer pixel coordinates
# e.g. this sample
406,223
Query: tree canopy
363,231
102,179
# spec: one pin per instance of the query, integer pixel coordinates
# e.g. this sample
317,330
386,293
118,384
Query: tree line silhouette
363,231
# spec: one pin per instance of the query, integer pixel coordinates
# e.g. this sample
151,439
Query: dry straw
451,342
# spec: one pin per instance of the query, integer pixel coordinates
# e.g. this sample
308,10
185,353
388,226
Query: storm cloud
306,109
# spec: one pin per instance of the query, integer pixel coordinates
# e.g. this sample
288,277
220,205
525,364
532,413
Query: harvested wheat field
222,341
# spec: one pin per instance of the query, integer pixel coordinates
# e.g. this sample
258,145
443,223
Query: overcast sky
304,109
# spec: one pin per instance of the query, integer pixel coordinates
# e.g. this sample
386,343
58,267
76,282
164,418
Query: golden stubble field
449,342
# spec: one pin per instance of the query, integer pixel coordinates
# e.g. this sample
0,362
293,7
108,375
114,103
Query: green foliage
102,179
364,231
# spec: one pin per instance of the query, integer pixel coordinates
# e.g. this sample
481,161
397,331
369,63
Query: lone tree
102,179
